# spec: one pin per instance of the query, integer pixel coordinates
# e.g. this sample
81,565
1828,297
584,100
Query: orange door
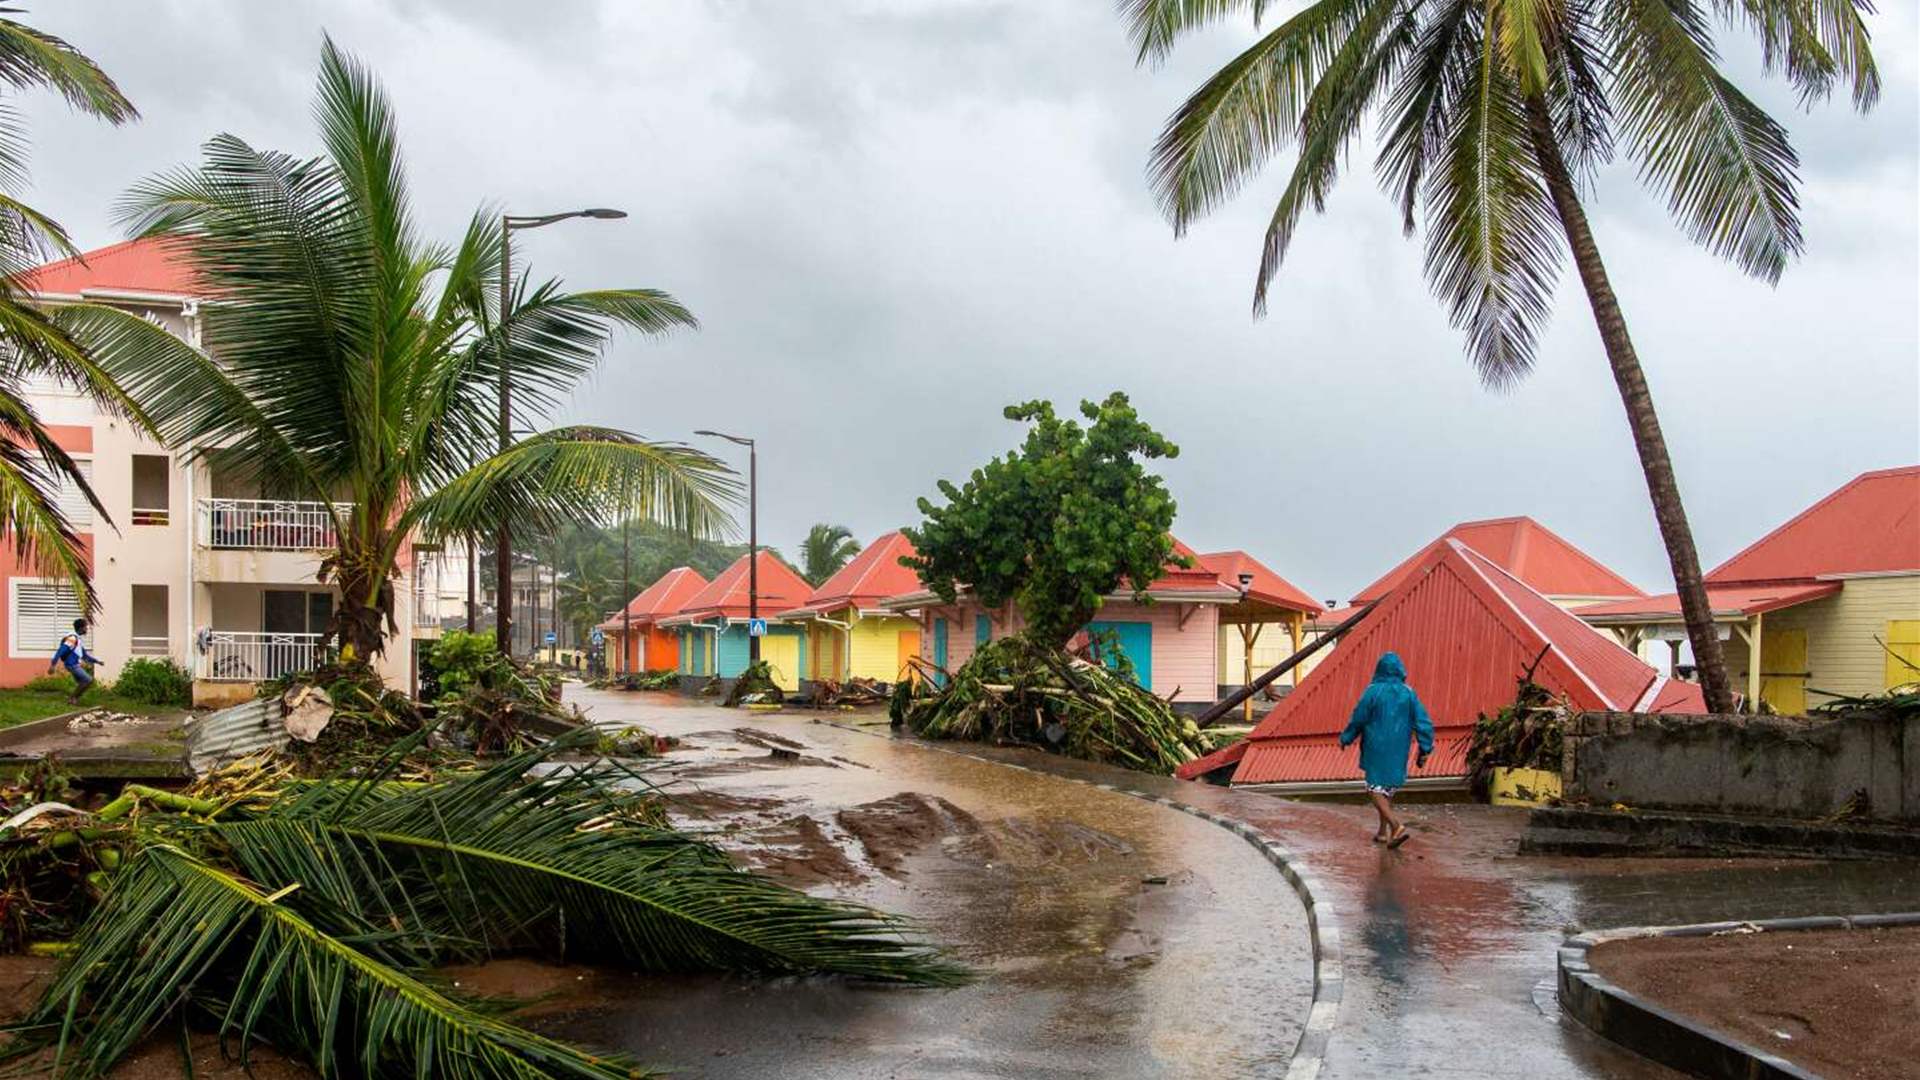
909,646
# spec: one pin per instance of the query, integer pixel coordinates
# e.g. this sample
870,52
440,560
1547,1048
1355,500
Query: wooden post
1297,628
1753,665
1249,633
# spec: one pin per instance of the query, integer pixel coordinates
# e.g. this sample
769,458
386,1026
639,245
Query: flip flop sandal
1378,839
1399,838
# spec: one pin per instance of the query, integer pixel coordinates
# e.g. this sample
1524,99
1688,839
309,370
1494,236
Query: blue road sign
756,628
597,637
552,637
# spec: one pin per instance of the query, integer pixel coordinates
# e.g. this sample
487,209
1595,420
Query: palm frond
498,861
1155,25
1247,111
34,58
1815,42
1426,96
1728,169
582,474
41,537
175,929
1577,94
1493,245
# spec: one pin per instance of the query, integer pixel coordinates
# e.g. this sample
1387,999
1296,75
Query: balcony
252,656
268,524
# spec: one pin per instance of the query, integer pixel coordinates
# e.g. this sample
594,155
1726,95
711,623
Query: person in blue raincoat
1388,716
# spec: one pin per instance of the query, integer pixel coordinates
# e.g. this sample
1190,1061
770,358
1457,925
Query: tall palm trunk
1647,439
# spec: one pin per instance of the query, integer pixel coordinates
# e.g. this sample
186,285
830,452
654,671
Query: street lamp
503,548
1246,638
753,535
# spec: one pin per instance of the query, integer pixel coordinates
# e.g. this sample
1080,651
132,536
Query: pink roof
1267,587
1870,525
1726,600
662,598
726,596
1524,548
1466,629
871,577
153,266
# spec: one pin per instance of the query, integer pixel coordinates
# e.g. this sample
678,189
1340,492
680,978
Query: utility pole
753,533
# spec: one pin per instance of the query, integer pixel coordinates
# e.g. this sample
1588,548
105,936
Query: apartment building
197,563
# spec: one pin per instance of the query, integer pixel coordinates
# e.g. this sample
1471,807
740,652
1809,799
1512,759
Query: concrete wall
1766,765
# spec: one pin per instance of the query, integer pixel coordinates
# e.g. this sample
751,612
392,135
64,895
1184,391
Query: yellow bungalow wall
1842,653
868,650
1274,644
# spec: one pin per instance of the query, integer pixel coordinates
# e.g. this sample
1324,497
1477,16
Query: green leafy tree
32,343
826,549
357,362
1057,525
1494,116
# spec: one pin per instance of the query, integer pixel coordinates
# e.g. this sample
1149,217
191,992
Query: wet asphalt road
1112,935
1449,942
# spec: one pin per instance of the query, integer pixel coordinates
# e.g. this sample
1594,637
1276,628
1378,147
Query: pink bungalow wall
1184,658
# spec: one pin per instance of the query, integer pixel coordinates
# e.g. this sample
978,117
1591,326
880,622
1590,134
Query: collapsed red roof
1522,547
149,266
662,598
1466,629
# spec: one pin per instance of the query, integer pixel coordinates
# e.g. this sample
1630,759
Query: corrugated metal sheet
1870,525
146,265
662,598
232,733
1723,599
1459,624
781,589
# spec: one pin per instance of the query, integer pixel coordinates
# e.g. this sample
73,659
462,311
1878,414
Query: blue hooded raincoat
1388,715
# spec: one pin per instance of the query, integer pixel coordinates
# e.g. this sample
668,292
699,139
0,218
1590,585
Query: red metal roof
152,265
662,598
871,577
1267,587
1466,629
1199,576
1525,548
1870,525
781,589
1726,601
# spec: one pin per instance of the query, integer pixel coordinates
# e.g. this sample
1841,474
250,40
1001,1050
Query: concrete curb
1670,1039
1323,927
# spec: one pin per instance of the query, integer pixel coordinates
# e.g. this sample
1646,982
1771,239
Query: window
150,476
42,613
71,500
149,608
284,611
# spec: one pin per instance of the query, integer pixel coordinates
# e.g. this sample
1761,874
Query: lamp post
753,534
503,548
1247,637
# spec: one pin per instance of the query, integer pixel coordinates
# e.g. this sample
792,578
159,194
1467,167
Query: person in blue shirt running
1388,717
73,653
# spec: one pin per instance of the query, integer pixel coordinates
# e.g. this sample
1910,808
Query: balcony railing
150,515
150,646
251,656
268,524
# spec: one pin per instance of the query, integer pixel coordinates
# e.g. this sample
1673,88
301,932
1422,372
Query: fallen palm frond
755,685
667,679
1901,700
304,912
1018,690
1526,734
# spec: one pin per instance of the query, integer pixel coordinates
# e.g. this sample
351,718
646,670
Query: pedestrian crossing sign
756,628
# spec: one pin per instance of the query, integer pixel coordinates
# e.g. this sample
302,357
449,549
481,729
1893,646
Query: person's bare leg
1384,807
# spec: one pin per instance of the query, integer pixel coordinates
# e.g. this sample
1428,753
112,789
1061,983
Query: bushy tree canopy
1057,525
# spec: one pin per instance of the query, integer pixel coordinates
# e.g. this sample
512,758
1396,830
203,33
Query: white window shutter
43,613
73,502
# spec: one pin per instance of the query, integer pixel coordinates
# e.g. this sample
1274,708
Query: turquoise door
982,630
1136,641
940,646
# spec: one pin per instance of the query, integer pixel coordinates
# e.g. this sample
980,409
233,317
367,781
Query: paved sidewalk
1449,942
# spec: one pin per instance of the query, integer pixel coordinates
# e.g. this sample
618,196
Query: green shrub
48,684
155,682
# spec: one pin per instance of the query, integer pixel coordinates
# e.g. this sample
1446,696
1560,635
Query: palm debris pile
755,686
310,914
855,692
1526,734
664,679
1016,690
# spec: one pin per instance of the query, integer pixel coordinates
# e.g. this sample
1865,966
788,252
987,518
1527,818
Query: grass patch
26,704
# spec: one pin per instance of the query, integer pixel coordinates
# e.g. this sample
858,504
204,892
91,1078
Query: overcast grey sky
895,216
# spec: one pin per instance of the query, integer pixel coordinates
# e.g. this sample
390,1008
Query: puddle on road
1113,937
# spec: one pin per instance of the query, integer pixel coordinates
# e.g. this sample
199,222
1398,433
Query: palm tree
1494,116
826,549
32,345
358,363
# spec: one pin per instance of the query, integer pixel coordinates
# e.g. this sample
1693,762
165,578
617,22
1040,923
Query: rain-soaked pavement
1092,968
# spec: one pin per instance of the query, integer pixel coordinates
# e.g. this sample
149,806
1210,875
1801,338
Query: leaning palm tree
349,362
1494,115
826,549
32,465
